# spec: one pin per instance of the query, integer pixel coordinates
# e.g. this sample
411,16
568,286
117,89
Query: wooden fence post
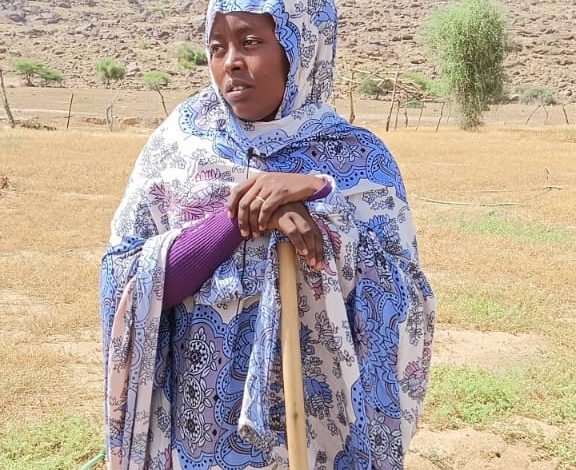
5,102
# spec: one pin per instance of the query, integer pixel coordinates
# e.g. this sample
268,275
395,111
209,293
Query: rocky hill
72,35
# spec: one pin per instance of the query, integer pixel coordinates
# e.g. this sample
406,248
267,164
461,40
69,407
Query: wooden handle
292,359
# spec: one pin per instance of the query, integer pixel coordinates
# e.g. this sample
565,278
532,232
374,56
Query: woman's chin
245,114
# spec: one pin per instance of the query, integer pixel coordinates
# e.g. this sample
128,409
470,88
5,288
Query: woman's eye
251,42
215,49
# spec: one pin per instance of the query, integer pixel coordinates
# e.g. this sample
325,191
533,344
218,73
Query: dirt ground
45,190
139,110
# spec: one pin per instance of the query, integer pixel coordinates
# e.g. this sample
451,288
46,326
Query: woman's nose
233,59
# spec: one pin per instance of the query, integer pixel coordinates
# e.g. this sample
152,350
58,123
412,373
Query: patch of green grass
485,311
465,396
552,391
492,310
462,396
60,442
495,224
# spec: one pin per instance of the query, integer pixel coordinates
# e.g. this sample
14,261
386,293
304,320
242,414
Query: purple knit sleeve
195,255
323,191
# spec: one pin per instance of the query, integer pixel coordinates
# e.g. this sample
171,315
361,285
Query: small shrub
50,76
32,68
200,58
188,58
108,69
375,87
536,94
156,80
431,87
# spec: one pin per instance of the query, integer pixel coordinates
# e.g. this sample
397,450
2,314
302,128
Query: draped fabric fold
199,386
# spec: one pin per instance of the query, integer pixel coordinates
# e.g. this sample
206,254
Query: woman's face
248,64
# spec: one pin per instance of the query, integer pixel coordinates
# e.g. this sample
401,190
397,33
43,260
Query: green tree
50,76
108,69
27,67
157,81
469,40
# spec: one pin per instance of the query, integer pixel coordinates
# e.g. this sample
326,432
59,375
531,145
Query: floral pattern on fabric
199,386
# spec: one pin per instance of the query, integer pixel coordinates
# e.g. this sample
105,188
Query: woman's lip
236,95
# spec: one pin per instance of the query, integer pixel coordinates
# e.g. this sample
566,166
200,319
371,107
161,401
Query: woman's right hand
294,221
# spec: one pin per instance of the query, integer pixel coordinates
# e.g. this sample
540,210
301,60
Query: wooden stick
440,118
69,111
292,359
393,98
5,102
565,116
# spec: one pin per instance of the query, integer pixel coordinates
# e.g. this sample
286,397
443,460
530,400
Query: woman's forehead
241,22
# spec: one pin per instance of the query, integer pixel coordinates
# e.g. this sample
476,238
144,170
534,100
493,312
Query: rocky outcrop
72,35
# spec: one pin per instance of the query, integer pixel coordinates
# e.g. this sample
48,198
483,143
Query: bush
430,87
32,68
375,86
188,58
535,94
108,69
469,42
200,58
50,76
156,80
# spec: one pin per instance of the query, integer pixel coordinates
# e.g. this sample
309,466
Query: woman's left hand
255,200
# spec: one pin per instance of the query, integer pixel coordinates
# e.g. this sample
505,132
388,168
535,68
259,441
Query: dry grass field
497,229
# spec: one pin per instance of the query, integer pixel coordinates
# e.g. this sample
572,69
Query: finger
271,204
289,228
255,209
246,205
310,237
305,230
236,195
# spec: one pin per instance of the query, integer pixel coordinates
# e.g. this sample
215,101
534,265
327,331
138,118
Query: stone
15,16
51,18
132,69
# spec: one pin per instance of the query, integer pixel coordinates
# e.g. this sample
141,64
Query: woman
189,284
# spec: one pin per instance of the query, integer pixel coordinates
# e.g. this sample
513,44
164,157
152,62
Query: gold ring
258,198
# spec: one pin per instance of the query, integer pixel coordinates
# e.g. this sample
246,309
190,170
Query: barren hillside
70,36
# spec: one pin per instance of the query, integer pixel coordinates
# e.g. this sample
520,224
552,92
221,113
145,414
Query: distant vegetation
33,69
157,81
109,70
188,58
468,41
431,87
375,87
536,94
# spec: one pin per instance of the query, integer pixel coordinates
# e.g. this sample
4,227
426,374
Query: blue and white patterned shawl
199,386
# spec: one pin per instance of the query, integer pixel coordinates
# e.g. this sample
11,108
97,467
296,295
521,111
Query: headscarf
367,319
307,33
